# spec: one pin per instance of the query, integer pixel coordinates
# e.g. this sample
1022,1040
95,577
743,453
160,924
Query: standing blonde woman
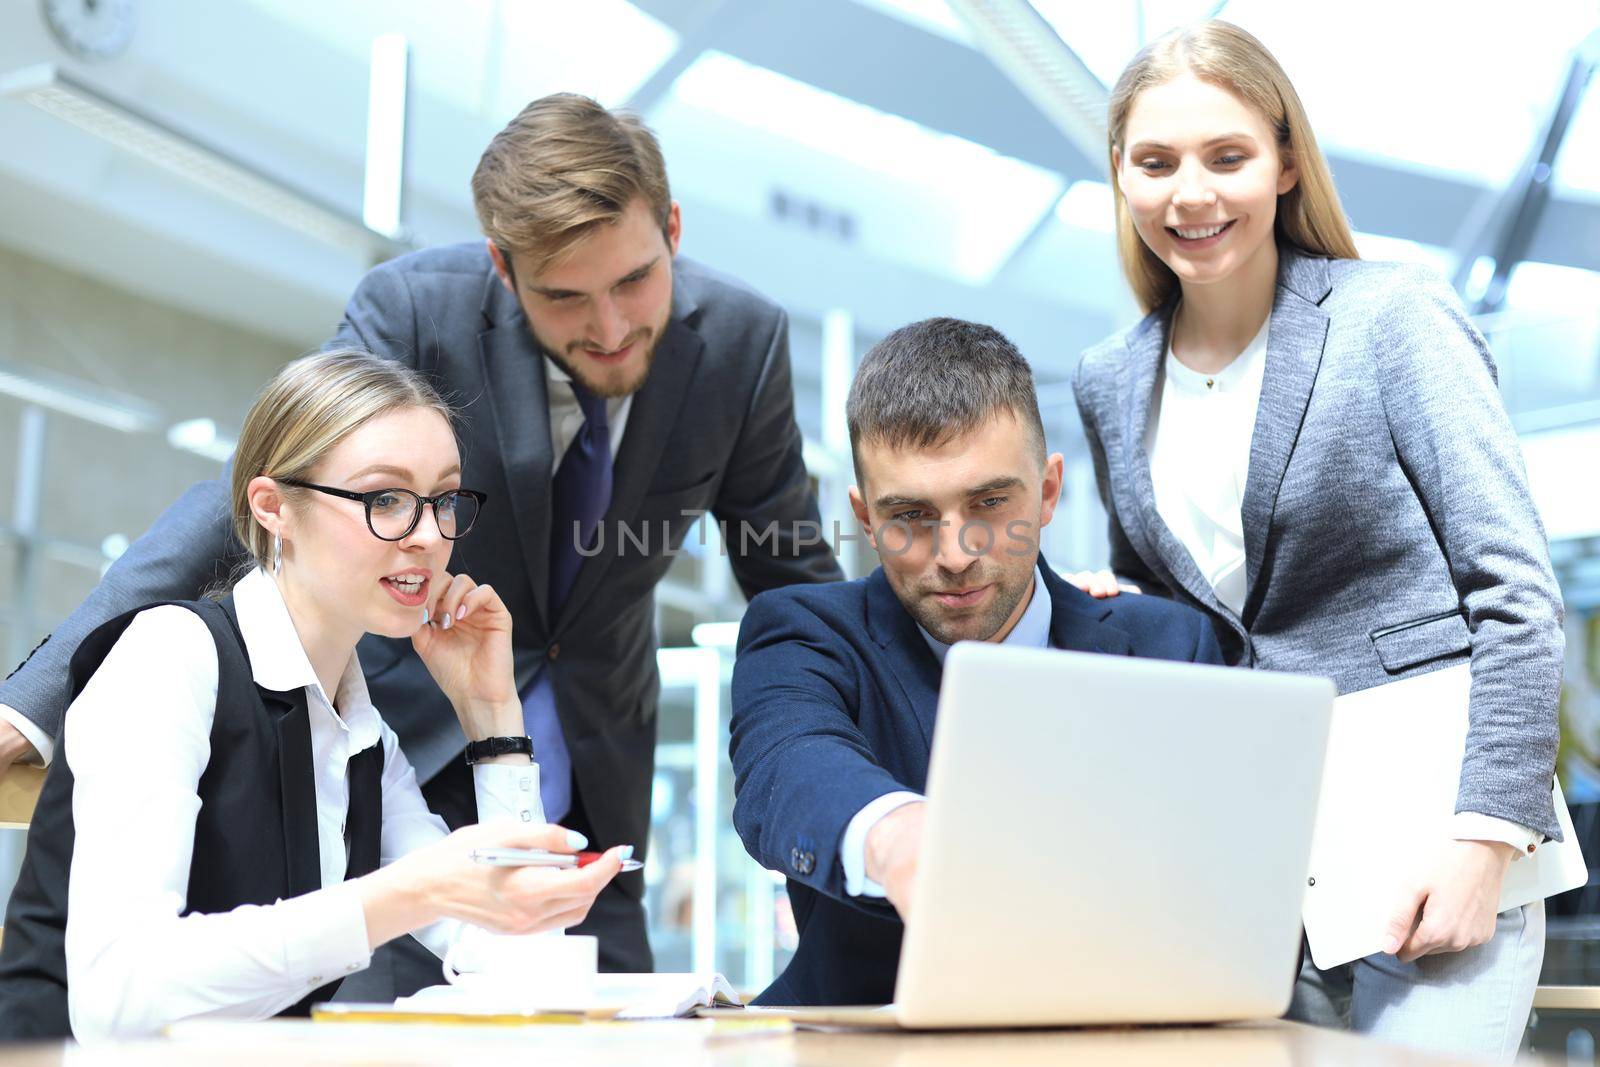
1312,450
240,827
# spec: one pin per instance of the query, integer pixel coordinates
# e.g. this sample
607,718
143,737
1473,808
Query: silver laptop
1108,840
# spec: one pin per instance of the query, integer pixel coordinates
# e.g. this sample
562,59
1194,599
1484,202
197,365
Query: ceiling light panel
116,122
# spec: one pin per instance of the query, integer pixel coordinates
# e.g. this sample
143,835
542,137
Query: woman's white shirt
1198,441
139,738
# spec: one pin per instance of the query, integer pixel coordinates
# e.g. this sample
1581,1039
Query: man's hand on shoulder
13,747
893,846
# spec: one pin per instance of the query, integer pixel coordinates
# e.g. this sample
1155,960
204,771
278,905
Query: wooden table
19,792
694,1044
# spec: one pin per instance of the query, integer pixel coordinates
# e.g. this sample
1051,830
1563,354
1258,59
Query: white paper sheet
630,996
1388,794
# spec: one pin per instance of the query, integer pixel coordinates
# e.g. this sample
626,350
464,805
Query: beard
612,388
947,626
568,357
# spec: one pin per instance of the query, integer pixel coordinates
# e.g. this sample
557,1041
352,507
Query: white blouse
139,738
1198,441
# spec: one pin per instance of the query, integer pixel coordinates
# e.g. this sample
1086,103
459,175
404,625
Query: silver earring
277,554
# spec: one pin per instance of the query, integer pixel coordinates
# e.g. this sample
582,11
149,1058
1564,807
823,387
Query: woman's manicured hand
466,646
442,881
1100,584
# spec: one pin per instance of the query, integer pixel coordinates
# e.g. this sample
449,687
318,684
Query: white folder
1388,795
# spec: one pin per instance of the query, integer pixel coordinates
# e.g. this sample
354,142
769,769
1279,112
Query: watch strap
490,747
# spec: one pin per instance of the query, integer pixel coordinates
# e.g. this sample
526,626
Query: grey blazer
712,429
1387,521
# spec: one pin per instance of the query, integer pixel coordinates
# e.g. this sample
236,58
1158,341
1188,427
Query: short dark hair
937,379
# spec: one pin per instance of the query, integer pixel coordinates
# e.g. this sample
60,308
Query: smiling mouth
409,589
1200,234
609,357
618,355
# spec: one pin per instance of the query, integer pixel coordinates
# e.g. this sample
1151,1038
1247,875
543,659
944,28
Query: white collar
1031,631
278,660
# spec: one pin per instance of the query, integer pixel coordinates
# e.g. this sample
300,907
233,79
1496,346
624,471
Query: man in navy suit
835,687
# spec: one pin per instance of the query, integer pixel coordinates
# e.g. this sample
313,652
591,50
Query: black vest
255,838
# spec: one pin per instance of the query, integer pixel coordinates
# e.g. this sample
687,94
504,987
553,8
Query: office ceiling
836,153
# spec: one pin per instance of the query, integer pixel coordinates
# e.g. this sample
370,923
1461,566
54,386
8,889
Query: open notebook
616,996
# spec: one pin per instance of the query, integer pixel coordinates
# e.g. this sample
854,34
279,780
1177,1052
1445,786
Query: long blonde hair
303,414
1310,217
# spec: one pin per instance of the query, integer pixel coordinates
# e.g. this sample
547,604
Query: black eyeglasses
393,513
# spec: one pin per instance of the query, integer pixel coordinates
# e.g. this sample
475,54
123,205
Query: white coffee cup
524,971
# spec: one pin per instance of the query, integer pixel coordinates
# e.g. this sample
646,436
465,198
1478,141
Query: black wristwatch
490,747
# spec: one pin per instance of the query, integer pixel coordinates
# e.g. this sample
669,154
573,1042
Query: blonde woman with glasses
1311,449
234,829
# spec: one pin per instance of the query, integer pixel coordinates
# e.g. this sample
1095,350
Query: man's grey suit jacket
1388,526
712,429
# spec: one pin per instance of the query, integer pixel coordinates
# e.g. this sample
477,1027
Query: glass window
710,906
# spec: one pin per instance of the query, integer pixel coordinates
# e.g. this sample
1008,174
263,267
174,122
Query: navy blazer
834,696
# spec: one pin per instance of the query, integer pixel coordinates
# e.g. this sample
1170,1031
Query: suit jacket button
554,650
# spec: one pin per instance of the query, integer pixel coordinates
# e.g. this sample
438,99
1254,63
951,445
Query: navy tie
579,498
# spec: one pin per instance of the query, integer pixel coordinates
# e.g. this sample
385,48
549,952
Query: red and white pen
538,857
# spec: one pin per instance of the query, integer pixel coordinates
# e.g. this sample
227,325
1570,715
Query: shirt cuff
508,792
853,849
329,939
1473,826
30,730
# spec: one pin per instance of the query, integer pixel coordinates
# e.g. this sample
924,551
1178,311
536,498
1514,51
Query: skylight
1106,36
1463,92
1577,168
490,59
918,196
605,49
934,16
1088,205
